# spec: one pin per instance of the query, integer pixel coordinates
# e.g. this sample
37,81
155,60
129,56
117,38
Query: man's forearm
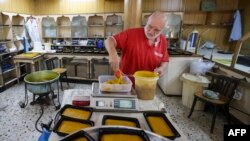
114,59
110,46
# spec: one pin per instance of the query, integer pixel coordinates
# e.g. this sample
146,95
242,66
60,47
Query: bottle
193,38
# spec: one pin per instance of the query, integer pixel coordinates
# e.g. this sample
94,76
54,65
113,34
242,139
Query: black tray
134,120
57,125
74,107
160,114
78,135
105,131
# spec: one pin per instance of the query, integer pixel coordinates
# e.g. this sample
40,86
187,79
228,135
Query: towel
236,32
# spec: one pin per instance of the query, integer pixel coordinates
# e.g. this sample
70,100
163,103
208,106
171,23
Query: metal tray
162,115
134,120
62,119
130,132
89,109
77,136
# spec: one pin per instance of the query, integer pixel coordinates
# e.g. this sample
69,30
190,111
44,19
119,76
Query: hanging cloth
236,32
32,28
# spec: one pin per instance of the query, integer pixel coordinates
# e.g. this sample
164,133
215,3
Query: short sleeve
121,39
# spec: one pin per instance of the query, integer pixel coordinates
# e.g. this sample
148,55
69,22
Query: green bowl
39,82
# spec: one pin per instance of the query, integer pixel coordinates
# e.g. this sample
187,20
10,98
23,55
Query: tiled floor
17,124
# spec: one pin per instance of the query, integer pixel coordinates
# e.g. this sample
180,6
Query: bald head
155,25
158,16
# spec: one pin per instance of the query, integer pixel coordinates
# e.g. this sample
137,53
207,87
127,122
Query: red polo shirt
136,52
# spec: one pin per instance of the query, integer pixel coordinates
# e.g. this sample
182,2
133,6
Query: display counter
144,105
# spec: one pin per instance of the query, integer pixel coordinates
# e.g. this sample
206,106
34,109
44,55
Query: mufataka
120,122
81,139
120,137
76,113
159,126
71,126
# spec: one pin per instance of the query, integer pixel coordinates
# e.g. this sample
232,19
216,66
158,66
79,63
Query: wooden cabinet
19,32
80,35
63,27
49,28
11,43
114,25
218,21
79,27
96,27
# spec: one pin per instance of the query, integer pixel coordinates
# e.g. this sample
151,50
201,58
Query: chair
52,64
225,86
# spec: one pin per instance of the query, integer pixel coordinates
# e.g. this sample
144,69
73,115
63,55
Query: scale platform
97,93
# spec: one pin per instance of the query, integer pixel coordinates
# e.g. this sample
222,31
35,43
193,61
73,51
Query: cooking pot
41,81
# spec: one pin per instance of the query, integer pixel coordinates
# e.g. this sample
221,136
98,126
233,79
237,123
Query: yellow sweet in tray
120,137
81,139
71,126
76,113
120,122
159,126
115,81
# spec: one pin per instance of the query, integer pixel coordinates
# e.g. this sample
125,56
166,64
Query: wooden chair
53,64
225,86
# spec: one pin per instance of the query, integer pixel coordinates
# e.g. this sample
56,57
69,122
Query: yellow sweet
115,81
120,122
159,126
76,113
81,139
71,126
120,137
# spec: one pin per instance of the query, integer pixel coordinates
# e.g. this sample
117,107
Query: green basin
39,82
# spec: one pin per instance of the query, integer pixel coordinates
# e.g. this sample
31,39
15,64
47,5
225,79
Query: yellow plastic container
145,84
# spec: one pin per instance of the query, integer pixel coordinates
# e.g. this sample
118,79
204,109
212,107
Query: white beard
149,36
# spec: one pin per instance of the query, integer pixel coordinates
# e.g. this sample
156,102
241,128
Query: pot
41,81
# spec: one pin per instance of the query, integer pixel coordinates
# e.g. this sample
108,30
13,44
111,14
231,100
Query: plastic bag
200,67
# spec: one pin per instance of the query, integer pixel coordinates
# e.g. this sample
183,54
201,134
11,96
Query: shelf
22,65
9,80
74,45
95,25
18,25
18,20
5,26
77,26
5,41
63,26
208,25
9,70
115,25
5,53
22,75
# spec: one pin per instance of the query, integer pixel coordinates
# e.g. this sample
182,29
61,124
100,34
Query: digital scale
113,101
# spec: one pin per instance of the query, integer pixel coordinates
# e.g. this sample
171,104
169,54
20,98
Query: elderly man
142,48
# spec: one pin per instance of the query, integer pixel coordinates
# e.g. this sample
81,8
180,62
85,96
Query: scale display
114,103
121,103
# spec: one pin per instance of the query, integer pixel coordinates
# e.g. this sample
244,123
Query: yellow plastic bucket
145,84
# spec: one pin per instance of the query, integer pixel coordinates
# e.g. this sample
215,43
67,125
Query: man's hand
114,61
161,70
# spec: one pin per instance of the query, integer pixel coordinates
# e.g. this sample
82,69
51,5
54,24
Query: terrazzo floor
18,124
